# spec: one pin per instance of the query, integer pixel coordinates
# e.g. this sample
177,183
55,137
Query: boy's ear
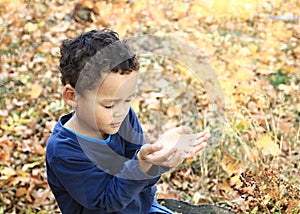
70,96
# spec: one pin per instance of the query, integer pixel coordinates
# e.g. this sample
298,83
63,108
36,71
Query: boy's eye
108,106
112,105
130,99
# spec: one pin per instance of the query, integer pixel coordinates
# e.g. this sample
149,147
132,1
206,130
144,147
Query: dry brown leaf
21,191
173,110
230,165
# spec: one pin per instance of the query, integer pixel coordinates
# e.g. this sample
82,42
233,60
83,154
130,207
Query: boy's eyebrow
114,100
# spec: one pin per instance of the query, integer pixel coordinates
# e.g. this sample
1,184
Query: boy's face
106,106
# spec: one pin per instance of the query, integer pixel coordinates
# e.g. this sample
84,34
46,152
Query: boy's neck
78,127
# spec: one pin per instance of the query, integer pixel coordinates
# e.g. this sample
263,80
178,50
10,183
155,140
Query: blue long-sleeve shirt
88,175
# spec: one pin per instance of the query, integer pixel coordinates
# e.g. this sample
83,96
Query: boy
97,159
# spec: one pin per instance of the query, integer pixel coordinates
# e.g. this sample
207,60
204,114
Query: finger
199,147
189,155
183,130
176,159
198,136
201,139
202,134
150,148
162,156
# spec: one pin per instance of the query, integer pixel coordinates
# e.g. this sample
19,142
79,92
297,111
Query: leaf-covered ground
253,48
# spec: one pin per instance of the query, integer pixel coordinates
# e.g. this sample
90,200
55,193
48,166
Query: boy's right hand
165,153
147,157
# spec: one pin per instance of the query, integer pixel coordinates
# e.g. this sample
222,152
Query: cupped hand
171,158
182,139
199,143
172,148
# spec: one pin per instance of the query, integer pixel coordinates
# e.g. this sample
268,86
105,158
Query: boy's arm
94,188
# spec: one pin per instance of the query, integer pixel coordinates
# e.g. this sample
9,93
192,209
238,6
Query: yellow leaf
34,90
197,10
7,172
220,6
30,27
135,104
41,24
235,181
254,210
253,48
266,199
30,166
241,125
180,10
288,69
21,173
139,6
277,3
267,146
298,107
45,47
189,160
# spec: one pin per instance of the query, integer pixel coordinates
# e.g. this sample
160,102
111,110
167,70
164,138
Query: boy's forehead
117,86
115,98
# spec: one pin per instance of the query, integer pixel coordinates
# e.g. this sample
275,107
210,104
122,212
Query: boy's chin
113,131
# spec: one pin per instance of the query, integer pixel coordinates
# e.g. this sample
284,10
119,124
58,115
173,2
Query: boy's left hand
148,156
199,144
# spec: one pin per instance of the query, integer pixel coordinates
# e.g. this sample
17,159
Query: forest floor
230,66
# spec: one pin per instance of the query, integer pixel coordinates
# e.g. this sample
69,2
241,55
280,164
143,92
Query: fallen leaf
197,197
135,104
173,110
30,27
35,90
21,191
230,165
235,181
30,166
7,173
267,146
224,186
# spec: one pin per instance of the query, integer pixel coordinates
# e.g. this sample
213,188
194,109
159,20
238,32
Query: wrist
144,165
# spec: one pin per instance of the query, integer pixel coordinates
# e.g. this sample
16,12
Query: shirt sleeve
93,188
132,133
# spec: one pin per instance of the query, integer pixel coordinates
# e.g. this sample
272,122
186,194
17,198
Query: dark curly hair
87,57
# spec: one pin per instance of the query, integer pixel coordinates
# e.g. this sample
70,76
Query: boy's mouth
116,125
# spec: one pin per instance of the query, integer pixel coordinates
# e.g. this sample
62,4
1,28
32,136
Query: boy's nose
119,112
